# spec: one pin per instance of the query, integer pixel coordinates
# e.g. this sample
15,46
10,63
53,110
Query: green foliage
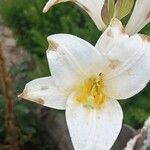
148,148
136,110
41,69
31,27
32,134
146,30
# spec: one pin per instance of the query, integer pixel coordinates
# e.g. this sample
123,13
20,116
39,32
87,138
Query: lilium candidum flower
97,9
86,81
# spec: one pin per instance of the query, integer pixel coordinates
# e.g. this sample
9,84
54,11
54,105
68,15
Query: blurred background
23,32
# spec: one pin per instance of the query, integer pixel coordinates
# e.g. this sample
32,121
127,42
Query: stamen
91,94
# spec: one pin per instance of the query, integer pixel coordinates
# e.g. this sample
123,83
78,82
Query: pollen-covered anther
91,94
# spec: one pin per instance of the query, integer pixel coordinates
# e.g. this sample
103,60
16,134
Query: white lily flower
92,7
87,80
139,18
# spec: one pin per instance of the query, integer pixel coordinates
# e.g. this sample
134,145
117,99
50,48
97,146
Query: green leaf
123,8
148,148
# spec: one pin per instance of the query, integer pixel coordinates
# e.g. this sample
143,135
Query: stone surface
14,55
55,123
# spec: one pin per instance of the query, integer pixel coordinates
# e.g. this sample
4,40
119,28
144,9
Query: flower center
91,93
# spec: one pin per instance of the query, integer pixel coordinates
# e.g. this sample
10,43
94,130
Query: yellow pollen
91,93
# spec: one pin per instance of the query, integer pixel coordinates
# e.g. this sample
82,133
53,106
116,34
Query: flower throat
91,93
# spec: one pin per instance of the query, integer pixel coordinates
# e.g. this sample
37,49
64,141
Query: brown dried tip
23,94
39,101
148,15
145,38
53,45
36,100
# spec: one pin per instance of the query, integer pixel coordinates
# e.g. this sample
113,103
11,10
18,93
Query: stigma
91,93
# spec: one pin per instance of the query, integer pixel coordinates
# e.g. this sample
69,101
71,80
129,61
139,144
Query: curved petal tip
48,5
53,45
145,38
23,94
116,23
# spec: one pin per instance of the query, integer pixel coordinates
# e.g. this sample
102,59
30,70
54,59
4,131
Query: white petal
140,16
71,59
129,69
44,91
93,129
111,36
93,8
